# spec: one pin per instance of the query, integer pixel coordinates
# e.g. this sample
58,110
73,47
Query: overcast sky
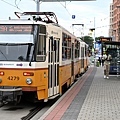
90,13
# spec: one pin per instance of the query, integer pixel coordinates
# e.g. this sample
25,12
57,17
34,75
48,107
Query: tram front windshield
16,42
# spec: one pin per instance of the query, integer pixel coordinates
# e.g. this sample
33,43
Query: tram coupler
10,95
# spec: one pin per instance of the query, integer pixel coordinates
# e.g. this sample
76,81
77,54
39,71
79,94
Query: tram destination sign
15,29
105,39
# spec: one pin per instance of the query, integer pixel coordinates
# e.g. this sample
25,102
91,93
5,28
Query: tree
97,39
89,40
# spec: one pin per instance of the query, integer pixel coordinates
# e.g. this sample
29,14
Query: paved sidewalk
76,105
103,99
96,99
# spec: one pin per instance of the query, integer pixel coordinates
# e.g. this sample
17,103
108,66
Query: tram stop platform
91,98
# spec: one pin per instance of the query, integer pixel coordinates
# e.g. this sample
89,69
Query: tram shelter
113,48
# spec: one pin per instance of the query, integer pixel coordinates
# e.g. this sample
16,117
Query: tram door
53,67
72,62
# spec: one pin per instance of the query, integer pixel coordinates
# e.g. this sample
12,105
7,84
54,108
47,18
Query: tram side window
41,48
41,45
82,52
66,47
86,51
77,48
82,57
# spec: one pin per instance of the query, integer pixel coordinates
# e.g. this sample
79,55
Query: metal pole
83,31
101,53
37,5
94,44
73,28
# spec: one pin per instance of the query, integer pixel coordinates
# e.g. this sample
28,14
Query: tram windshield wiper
3,54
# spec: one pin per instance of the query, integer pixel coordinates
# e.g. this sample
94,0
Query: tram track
32,113
25,110
39,108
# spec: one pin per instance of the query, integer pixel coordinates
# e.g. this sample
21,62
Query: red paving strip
62,106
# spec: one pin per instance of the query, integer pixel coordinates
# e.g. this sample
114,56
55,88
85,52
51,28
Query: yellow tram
38,58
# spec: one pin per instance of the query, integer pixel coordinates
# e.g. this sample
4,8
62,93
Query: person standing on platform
99,59
107,58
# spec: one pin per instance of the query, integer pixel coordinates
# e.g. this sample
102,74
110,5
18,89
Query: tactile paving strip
74,108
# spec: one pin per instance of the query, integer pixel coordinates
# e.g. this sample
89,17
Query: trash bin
97,63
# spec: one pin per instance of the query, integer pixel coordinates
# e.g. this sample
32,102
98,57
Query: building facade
116,20
111,32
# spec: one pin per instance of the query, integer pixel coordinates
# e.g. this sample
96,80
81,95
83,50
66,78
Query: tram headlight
29,81
0,80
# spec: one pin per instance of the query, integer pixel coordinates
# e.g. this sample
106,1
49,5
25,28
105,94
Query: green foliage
89,40
97,38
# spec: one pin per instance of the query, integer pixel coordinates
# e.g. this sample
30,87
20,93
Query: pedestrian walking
107,58
99,59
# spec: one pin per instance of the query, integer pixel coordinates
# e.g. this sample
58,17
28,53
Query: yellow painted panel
41,94
15,77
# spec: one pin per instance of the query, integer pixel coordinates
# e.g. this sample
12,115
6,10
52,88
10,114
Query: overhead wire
85,17
17,3
64,6
8,3
11,4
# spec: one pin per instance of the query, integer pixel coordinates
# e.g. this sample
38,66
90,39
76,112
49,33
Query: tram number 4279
13,78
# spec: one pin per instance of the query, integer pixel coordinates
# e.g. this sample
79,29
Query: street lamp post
94,46
93,30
